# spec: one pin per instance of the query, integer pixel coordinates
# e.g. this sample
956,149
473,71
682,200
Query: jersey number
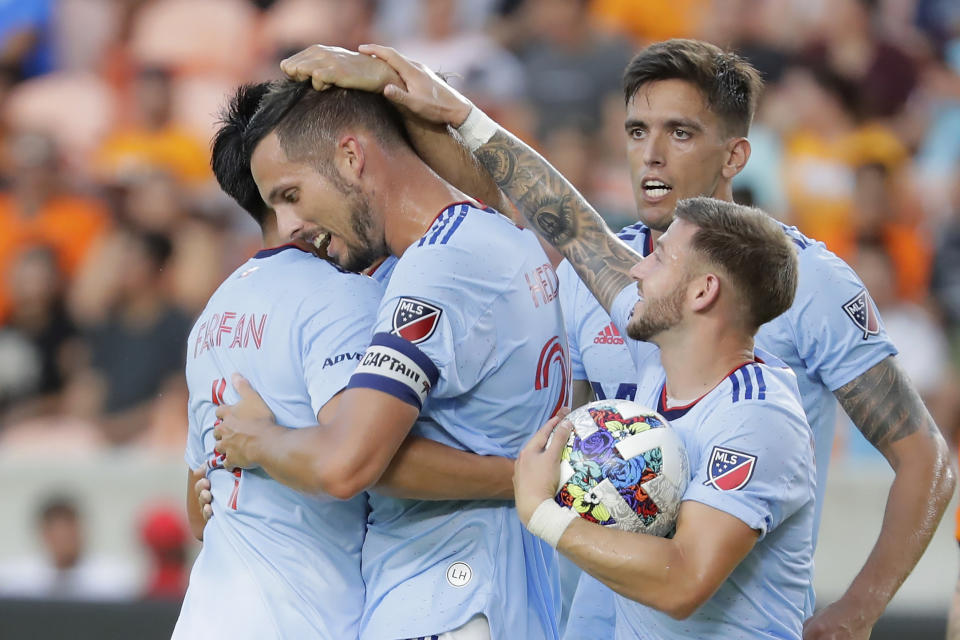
216,394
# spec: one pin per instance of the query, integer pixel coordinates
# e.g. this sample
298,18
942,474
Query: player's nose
289,225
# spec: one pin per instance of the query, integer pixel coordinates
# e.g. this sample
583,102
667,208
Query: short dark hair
729,84
57,506
307,122
751,248
228,158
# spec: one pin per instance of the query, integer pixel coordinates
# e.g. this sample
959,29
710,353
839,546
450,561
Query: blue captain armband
396,366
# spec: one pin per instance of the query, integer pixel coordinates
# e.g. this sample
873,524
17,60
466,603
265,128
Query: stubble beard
658,315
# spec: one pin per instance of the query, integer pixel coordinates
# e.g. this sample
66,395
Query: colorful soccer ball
624,466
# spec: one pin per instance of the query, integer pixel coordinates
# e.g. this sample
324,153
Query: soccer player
289,562
689,107
740,561
469,329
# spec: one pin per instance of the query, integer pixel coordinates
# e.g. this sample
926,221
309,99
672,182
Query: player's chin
657,216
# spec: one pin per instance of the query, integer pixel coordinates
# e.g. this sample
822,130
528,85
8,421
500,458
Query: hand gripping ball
624,466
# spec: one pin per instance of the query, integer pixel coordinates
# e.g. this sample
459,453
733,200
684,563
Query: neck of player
411,196
698,358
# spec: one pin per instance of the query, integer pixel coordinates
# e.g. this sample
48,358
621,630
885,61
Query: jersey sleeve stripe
761,384
735,395
747,385
396,388
456,223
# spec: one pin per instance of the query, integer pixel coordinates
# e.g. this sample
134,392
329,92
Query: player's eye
636,133
681,134
290,195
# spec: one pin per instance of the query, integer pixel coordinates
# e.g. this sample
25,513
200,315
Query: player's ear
349,157
704,291
738,153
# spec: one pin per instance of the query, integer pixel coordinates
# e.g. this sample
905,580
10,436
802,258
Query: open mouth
656,189
321,240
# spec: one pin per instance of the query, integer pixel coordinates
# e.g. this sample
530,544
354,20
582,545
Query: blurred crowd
113,232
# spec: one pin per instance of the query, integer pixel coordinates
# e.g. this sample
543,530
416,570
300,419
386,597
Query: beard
658,314
367,248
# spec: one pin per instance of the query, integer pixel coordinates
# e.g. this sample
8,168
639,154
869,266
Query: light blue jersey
283,563
831,335
751,456
471,330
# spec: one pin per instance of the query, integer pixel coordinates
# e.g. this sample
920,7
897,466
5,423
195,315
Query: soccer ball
623,466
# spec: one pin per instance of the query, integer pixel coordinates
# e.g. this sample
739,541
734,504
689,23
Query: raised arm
549,203
889,412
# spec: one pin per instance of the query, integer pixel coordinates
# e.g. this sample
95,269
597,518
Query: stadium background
113,232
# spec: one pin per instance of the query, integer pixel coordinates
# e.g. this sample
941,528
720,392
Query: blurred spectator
43,333
292,25
137,344
823,145
152,141
64,570
570,66
945,282
37,209
889,219
163,533
474,62
26,39
651,20
881,72
924,350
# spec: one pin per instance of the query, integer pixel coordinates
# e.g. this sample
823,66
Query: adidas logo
609,335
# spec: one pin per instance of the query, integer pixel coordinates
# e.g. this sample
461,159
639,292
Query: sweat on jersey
471,331
751,456
830,335
275,562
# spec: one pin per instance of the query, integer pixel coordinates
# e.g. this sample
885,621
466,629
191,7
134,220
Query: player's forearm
563,217
424,469
647,569
444,153
916,502
889,412
313,460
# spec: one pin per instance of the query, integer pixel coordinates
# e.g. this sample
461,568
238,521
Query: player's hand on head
536,472
201,489
242,426
329,67
425,94
839,621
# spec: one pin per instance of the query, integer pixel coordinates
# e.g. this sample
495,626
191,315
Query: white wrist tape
477,129
550,520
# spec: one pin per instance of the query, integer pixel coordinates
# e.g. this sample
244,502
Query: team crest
729,470
415,320
861,311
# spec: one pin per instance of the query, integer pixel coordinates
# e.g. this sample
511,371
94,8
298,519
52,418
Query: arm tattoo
560,214
884,405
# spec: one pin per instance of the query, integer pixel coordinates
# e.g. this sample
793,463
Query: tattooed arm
550,204
560,215
888,411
